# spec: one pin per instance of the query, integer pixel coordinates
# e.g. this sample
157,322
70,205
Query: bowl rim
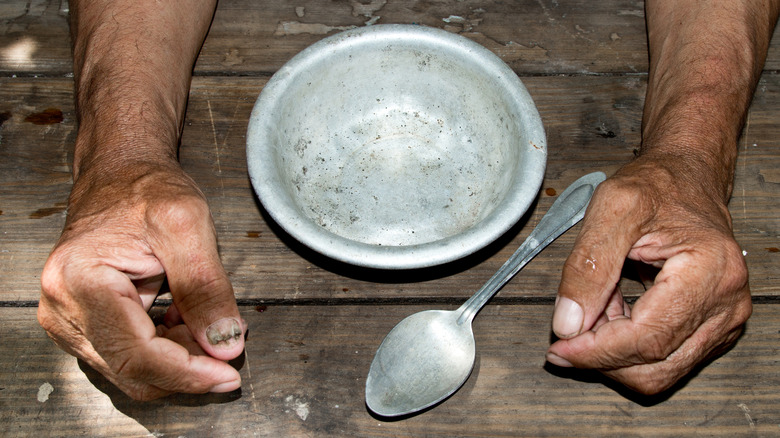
265,178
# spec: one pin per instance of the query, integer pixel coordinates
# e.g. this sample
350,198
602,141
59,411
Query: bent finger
178,370
202,293
657,377
129,352
616,308
592,270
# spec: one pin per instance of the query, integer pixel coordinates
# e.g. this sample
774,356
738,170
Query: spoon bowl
436,353
429,355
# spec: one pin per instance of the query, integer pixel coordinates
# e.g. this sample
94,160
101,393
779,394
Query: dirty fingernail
567,318
226,331
557,360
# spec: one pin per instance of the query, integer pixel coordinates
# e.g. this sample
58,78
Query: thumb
592,270
202,293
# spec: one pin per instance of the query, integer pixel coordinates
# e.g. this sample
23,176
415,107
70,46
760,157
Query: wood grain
315,323
250,38
304,374
592,123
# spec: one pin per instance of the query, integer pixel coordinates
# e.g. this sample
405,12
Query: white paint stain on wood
296,27
44,392
300,407
746,411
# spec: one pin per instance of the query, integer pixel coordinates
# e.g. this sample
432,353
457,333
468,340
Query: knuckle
732,282
736,268
138,391
208,292
45,319
125,367
651,385
130,376
53,297
52,278
141,393
181,213
618,196
743,310
655,345
139,378
647,380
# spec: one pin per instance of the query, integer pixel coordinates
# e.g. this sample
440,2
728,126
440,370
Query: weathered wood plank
592,124
248,37
305,366
599,37
34,38
304,373
37,132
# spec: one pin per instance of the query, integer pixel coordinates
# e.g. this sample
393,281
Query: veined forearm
133,61
705,60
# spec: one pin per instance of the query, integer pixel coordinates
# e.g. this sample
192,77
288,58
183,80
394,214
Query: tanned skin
135,218
668,207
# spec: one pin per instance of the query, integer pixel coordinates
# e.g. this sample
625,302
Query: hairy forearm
133,62
705,60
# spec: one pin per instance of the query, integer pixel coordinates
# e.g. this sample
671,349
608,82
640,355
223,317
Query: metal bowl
395,147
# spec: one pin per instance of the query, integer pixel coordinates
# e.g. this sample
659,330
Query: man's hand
650,213
668,208
125,233
134,218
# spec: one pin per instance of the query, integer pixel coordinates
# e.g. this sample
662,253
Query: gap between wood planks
411,301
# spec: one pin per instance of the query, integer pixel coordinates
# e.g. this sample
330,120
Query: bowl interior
396,140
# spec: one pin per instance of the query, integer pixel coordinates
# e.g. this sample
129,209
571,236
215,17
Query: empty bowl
395,147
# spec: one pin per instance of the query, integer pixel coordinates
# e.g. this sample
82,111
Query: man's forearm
133,61
705,60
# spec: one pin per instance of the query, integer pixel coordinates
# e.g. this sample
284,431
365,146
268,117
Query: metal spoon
430,354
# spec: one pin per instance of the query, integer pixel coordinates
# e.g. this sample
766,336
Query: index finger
131,354
659,376
592,271
661,320
185,243
168,366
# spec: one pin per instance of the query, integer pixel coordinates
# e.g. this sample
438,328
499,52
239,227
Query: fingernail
567,318
226,387
226,331
559,361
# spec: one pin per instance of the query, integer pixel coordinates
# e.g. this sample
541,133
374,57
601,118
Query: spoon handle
566,211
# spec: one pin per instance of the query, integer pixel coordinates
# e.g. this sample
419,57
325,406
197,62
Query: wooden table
314,323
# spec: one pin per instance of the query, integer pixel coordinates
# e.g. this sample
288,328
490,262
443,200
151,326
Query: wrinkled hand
125,233
655,214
